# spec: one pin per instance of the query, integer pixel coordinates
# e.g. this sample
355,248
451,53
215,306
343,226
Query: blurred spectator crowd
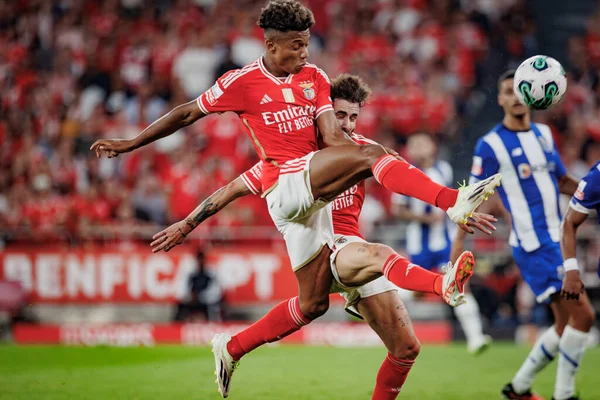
75,71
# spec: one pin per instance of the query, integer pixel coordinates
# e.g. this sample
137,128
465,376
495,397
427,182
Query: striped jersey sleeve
587,196
360,139
252,178
324,102
227,94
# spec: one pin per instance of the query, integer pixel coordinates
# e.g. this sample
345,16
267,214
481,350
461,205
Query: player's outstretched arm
572,284
494,206
176,233
567,184
181,116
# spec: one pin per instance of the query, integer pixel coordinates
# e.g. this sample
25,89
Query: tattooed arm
176,233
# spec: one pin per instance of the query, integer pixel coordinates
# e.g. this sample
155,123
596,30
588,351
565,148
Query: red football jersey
346,207
278,113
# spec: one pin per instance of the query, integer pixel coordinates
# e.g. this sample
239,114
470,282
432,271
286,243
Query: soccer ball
540,82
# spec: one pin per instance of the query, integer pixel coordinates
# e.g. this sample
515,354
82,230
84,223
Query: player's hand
111,147
170,237
572,286
480,221
394,153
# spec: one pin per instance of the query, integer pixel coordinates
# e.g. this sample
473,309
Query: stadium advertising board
130,275
340,334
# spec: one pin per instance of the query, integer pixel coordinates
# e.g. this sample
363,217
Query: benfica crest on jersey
308,91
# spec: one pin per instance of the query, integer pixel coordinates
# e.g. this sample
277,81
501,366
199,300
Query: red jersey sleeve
226,94
323,93
360,139
252,178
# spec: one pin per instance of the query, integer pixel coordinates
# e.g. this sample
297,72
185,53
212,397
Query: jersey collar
276,80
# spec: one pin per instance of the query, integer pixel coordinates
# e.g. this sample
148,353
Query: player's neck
273,68
517,124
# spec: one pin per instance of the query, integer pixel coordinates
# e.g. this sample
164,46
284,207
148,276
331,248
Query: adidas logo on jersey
266,99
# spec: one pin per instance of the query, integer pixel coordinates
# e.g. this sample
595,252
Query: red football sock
284,319
409,276
390,378
403,178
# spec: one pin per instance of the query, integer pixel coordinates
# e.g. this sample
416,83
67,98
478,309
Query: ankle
437,285
235,349
446,198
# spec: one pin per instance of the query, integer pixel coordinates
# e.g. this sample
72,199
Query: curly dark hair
351,88
285,16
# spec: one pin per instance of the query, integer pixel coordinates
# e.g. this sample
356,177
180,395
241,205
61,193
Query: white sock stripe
388,265
295,314
402,363
381,165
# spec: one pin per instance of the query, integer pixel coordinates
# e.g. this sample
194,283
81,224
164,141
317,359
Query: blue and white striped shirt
420,237
530,167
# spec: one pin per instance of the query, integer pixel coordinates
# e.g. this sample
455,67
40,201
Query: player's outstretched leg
543,352
572,344
336,169
388,317
284,319
364,262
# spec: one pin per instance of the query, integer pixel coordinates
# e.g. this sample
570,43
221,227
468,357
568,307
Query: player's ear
270,44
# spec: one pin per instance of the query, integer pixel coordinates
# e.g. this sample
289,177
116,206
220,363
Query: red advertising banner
126,275
332,334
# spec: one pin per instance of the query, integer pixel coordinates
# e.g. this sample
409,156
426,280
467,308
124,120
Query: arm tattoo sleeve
208,208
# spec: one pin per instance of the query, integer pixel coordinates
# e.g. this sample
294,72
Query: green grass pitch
284,372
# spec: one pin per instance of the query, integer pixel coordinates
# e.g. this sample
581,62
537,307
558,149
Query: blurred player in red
283,103
355,264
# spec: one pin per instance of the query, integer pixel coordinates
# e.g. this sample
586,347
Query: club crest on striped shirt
308,91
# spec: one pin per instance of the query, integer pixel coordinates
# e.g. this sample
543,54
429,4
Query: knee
407,349
584,317
380,252
314,308
371,153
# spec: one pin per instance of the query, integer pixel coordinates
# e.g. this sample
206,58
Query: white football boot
457,275
470,197
480,346
224,363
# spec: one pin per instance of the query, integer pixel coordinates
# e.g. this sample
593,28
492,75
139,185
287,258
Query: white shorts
306,223
354,294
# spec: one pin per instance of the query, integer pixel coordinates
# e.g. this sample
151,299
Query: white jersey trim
579,208
266,73
200,105
322,109
249,184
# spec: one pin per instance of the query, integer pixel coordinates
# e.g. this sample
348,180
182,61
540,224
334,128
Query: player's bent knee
315,308
379,253
371,153
584,316
407,349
